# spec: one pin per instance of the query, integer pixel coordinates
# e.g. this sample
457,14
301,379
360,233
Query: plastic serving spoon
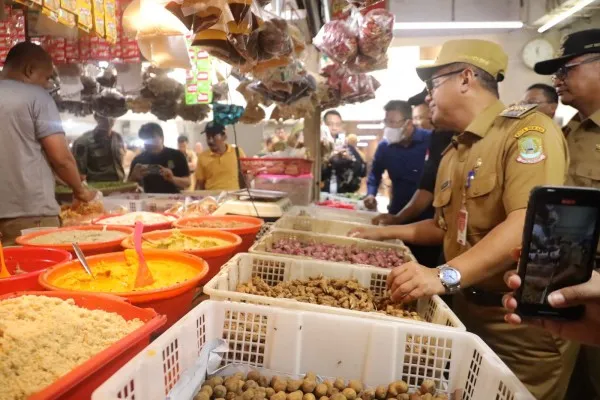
3,270
143,277
82,259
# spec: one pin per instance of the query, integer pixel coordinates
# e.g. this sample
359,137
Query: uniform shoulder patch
530,150
534,128
518,110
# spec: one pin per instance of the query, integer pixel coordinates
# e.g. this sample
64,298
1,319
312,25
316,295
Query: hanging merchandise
227,114
253,114
337,40
193,113
198,83
85,18
110,103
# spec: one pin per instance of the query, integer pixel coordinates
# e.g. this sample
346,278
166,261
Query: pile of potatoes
257,387
342,293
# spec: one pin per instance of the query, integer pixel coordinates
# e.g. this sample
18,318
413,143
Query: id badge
463,219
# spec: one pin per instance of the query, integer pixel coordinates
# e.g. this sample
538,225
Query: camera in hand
559,246
154,169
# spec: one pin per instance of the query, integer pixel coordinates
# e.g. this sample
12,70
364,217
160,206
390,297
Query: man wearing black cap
218,166
576,77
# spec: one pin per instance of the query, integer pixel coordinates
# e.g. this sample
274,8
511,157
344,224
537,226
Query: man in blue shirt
402,153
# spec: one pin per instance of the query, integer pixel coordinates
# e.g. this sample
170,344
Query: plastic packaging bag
337,40
376,32
110,103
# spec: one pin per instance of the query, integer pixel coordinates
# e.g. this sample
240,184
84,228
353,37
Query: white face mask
394,135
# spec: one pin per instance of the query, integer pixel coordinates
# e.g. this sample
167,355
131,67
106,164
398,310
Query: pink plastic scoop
143,277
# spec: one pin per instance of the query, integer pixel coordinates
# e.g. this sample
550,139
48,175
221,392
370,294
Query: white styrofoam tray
294,342
274,269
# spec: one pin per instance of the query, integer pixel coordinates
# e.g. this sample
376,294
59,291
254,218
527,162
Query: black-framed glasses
563,71
429,82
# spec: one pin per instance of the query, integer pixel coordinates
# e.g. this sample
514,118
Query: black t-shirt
439,141
168,158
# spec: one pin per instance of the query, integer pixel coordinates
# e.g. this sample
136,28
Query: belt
483,298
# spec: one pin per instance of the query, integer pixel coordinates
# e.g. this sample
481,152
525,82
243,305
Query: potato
230,396
250,384
392,390
401,387
248,394
427,396
296,395
323,398
427,386
215,381
332,392
349,393
279,396
441,396
239,375
263,381
338,396
321,390
279,384
202,396
232,385
311,376
381,392
293,385
356,385
309,385
269,392
220,398
309,396
403,396
339,384
208,389
414,396
367,394
219,391
253,375
259,396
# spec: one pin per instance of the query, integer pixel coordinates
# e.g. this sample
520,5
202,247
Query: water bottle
333,183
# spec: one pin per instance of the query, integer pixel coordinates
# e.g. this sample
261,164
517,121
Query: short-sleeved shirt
219,171
439,141
99,156
27,115
168,158
491,169
583,141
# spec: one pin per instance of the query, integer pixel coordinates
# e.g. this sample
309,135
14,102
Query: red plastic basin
32,260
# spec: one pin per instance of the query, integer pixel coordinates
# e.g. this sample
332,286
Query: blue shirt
404,166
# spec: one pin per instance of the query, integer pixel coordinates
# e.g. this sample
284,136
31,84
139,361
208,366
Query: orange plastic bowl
33,262
173,301
147,228
247,233
214,256
81,381
89,248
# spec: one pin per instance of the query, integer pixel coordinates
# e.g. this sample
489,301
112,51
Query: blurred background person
133,149
544,96
191,157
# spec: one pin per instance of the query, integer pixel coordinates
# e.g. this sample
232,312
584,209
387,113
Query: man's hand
385,219
84,196
411,281
366,233
138,172
370,202
167,174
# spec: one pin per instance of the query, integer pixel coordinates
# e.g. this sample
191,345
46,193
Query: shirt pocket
484,210
587,174
442,198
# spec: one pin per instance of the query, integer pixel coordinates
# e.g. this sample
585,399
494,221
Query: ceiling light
458,25
367,137
370,126
564,15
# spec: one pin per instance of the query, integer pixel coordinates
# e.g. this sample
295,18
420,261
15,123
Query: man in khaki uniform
481,195
577,81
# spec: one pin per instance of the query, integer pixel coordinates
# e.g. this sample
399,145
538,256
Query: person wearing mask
99,152
190,155
576,77
481,195
159,169
34,146
218,167
544,96
402,154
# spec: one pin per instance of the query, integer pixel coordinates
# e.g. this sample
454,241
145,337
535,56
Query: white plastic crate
293,342
337,214
274,269
265,243
317,225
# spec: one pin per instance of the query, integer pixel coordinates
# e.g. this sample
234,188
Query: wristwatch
450,278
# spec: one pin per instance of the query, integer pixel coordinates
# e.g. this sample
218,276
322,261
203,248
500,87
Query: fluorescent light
367,137
564,15
363,144
458,25
370,126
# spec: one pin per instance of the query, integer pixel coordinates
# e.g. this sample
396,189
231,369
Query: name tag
462,221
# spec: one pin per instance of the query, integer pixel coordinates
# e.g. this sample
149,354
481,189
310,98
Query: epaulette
518,110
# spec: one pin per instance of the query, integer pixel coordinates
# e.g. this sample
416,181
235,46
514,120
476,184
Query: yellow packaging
66,18
52,5
69,5
110,20
50,14
98,16
85,20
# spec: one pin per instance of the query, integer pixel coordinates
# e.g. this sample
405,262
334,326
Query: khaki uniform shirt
583,141
506,152
100,157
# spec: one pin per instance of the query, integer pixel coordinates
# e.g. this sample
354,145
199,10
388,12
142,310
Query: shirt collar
482,123
228,149
595,117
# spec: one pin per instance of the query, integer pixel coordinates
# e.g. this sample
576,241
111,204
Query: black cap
574,45
418,99
212,128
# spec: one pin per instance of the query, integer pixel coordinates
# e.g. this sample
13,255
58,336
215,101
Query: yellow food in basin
180,242
114,277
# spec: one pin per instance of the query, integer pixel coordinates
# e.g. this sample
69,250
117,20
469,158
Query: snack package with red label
99,49
6,23
84,49
338,41
376,32
130,52
357,88
72,51
17,29
56,48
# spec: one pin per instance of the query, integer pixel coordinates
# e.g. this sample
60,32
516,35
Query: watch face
450,276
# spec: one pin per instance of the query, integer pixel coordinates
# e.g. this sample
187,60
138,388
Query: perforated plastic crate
336,214
317,225
294,342
265,244
274,269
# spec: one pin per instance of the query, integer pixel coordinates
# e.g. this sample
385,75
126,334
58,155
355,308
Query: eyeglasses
390,123
429,82
563,71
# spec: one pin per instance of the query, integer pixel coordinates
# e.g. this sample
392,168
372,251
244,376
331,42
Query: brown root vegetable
403,396
215,381
368,394
232,385
296,395
219,391
356,385
309,385
414,396
381,392
321,390
338,396
323,398
207,389
427,386
248,394
349,393
269,392
250,384
279,384
263,381
393,390
427,396
441,396
253,375
309,396
220,398
202,396
230,396
339,384
293,385
279,396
